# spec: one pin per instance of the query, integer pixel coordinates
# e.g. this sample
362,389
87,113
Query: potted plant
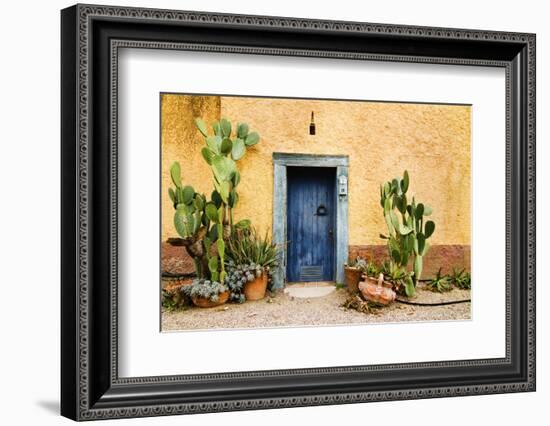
251,262
353,271
377,290
395,277
207,293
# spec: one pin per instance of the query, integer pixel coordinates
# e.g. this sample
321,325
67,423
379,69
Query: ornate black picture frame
91,36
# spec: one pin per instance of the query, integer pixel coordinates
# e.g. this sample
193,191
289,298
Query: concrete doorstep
309,290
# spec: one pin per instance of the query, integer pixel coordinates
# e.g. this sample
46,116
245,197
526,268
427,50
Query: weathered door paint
311,223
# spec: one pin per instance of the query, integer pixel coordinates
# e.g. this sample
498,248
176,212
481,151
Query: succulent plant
237,276
203,223
246,247
221,152
372,270
398,276
248,257
208,289
408,231
359,263
461,279
440,283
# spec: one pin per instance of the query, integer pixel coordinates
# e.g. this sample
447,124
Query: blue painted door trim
311,223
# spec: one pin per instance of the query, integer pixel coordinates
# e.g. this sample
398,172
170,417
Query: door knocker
321,210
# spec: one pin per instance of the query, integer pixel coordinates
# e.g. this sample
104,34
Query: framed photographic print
263,212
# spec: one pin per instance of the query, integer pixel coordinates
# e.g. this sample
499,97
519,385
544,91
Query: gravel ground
280,310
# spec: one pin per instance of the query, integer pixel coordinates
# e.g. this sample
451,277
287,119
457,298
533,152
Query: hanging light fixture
312,125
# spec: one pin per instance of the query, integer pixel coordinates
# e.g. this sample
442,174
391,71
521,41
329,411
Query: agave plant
440,283
461,279
248,257
247,247
408,231
372,270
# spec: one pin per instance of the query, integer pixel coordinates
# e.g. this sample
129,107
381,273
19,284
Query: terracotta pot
255,290
353,276
377,291
203,302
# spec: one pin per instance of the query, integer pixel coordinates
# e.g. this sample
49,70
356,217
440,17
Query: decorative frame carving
91,37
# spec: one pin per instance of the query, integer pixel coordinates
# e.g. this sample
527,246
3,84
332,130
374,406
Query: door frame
283,160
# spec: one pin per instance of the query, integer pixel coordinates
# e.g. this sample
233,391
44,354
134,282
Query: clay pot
377,291
352,276
203,302
255,290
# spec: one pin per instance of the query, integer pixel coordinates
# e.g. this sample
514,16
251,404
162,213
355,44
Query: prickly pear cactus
201,223
221,152
408,230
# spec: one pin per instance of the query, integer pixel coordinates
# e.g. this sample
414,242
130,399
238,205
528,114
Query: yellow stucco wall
382,139
180,141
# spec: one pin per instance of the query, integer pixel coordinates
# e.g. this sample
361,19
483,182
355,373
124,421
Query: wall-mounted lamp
312,125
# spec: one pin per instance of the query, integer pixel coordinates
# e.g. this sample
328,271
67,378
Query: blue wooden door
310,223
